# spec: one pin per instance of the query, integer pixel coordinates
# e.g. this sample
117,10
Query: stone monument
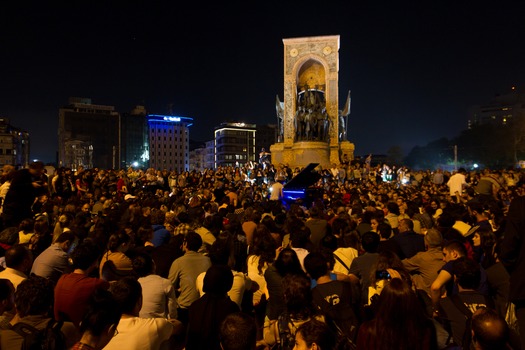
311,128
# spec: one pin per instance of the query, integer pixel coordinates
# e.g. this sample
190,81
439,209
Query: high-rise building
500,110
14,145
209,155
234,144
134,149
88,135
169,141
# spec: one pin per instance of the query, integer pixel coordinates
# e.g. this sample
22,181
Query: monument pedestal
346,150
300,154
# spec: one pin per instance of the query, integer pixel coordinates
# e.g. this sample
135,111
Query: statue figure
326,125
308,124
343,118
299,123
279,107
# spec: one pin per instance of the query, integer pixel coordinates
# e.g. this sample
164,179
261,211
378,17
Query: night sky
413,69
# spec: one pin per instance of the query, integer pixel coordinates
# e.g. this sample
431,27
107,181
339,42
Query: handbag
510,317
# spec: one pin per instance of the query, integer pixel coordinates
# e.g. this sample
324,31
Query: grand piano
301,186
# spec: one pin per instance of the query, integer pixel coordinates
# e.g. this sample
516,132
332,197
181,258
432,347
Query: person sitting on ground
53,261
386,243
238,332
314,335
207,313
158,294
346,245
410,242
184,271
26,231
489,330
74,289
424,266
299,309
18,261
286,263
134,332
361,266
161,235
444,282
117,246
7,303
400,321
337,300
456,308
100,321
33,303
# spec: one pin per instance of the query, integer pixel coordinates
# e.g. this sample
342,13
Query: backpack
49,338
339,316
467,335
286,338
344,341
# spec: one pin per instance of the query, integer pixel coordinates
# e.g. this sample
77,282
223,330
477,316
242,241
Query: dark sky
413,69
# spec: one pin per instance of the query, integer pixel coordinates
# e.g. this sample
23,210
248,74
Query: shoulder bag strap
341,261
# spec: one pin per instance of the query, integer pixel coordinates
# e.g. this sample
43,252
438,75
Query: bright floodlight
135,164
475,166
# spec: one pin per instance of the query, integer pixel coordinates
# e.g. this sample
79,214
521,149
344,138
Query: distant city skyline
414,69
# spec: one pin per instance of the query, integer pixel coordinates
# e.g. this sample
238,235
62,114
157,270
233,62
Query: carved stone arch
307,70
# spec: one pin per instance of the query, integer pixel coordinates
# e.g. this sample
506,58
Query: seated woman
118,245
286,263
299,309
399,323
388,266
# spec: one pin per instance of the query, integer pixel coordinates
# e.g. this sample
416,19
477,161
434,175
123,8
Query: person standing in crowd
456,183
25,186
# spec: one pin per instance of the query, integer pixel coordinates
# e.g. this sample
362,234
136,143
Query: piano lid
306,178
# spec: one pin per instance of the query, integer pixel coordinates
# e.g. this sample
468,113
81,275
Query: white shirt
276,191
456,183
135,333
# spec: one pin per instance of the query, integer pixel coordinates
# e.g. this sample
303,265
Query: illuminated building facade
209,155
14,145
134,149
169,141
88,135
234,144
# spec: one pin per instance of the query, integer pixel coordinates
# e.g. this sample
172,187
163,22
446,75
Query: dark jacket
512,252
410,243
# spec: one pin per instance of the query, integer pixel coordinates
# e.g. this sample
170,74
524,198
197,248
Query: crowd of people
381,258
